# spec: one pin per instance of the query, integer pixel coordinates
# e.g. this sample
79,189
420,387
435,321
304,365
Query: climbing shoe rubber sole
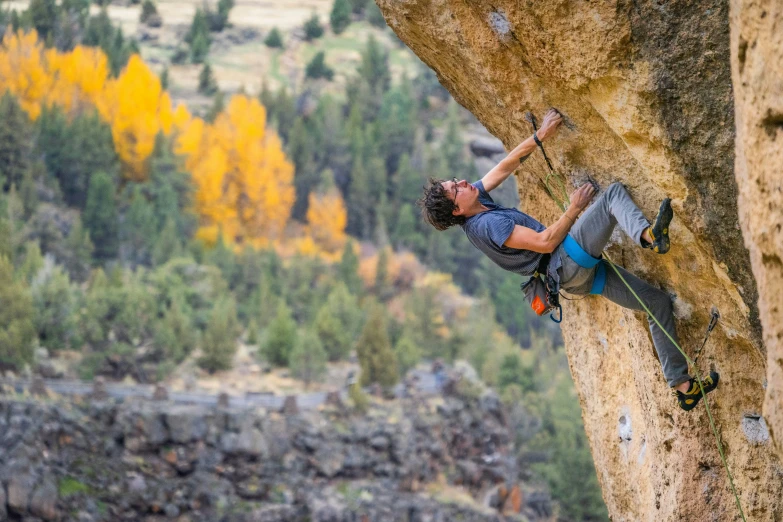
689,399
660,229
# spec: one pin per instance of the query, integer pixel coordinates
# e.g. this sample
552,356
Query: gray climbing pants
592,231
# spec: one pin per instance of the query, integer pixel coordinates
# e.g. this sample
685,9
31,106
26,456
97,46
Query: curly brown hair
437,208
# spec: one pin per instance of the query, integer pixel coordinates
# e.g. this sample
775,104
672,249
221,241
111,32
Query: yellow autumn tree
134,104
326,220
24,71
244,183
137,108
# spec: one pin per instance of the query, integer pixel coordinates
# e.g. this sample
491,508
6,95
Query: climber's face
463,194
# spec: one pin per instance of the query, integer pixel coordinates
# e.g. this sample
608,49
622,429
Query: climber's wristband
535,138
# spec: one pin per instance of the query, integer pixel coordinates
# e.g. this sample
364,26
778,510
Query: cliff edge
648,88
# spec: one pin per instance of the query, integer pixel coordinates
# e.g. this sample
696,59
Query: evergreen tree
220,19
74,151
452,149
375,353
32,262
344,306
55,303
308,358
405,235
78,252
199,47
317,68
306,174
139,229
148,10
360,203
199,25
219,343
44,18
174,334
218,105
374,67
207,84
164,78
274,39
398,124
407,354
28,191
382,287
100,216
280,337
358,6
167,246
313,28
15,141
340,16
348,269
333,335
17,332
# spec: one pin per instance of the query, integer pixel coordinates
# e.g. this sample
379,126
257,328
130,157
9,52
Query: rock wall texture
757,75
647,86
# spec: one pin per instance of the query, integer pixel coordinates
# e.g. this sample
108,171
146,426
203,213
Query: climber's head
445,202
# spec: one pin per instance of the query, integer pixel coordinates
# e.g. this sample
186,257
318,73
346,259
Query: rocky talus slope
145,460
647,86
757,75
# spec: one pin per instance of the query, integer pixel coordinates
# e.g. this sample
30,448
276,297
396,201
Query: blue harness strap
585,260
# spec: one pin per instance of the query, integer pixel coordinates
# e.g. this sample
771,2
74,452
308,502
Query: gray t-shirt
488,231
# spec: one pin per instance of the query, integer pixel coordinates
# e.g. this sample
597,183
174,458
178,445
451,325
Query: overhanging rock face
757,75
647,85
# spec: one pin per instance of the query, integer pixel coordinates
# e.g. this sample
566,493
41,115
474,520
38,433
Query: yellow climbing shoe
660,230
689,399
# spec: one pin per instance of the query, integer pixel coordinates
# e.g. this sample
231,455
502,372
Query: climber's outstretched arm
509,164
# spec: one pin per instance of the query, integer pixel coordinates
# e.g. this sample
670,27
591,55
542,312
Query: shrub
274,39
313,28
317,68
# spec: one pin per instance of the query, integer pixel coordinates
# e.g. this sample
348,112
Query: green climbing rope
561,203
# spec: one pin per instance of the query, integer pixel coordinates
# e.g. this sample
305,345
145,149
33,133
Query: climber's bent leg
675,366
594,228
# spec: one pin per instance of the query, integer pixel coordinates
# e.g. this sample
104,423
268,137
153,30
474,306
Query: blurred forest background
158,223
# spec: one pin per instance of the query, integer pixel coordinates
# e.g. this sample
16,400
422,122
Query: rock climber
518,243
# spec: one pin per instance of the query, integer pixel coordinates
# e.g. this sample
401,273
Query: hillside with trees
138,238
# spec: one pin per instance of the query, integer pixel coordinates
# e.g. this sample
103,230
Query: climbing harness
560,199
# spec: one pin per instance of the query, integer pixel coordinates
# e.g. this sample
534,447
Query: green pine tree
340,16
274,39
168,245
15,141
218,105
207,84
348,269
375,353
358,6
139,229
317,68
174,335
375,16
280,337
308,358
55,302
374,67
78,252
407,354
219,343
17,331
199,49
43,15
333,334
100,216
164,78
148,10
313,28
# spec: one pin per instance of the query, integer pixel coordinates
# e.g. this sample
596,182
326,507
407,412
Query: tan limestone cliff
647,85
757,75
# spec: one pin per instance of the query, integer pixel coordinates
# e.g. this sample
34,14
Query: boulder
43,502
